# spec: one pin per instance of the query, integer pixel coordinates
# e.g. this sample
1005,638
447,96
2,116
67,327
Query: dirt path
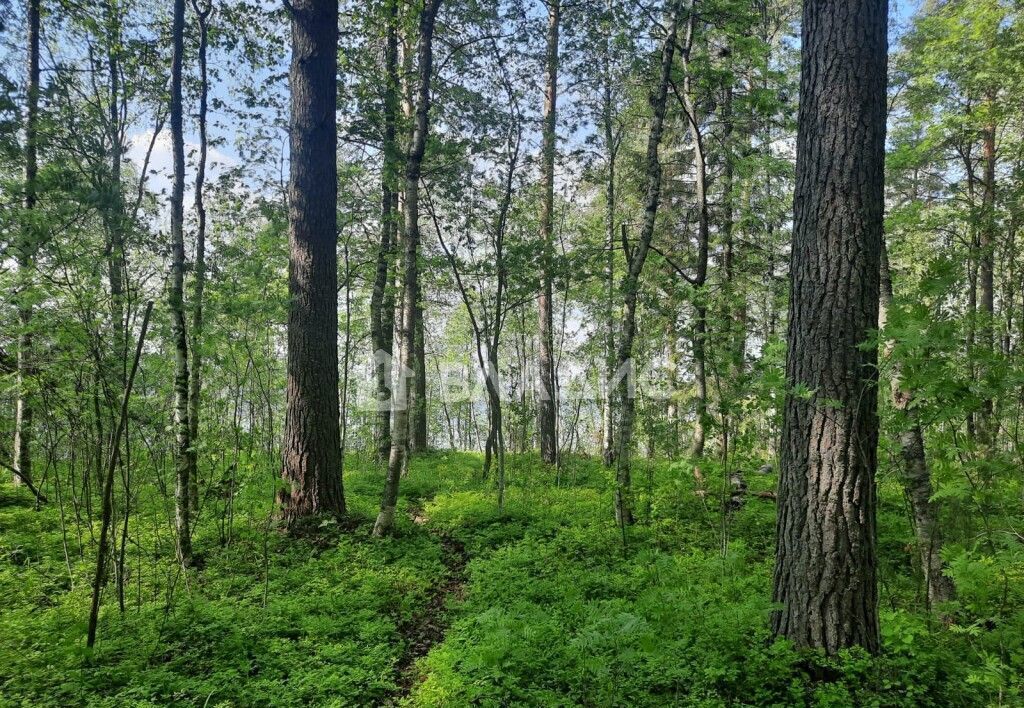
427,627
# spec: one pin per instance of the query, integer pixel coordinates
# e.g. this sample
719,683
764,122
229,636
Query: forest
511,353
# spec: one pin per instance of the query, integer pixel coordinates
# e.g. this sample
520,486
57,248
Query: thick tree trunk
176,300
195,380
917,480
311,464
631,283
547,406
381,302
25,257
825,568
413,168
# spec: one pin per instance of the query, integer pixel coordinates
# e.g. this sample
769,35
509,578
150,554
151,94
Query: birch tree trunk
195,378
547,406
413,168
381,301
176,300
631,283
25,256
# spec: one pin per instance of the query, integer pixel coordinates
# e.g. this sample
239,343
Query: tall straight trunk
631,282
825,578
413,168
418,431
113,215
700,324
547,406
26,261
195,380
381,301
736,306
176,300
917,480
611,141
986,266
311,459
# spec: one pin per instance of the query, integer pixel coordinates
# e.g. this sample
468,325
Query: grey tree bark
612,141
917,479
311,460
547,406
700,323
382,301
636,257
196,329
176,299
413,169
25,257
825,567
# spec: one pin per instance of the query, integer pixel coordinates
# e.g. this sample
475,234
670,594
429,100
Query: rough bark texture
825,568
547,410
176,300
381,302
196,329
311,461
917,480
26,262
631,282
413,167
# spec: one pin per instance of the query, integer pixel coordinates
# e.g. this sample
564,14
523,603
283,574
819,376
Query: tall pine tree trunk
311,461
547,406
413,169
826,548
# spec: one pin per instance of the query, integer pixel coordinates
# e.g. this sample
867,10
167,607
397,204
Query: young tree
413,168
917,478
199,288
176,300
25,256
381,301
311,466
636,257
825,567
547,404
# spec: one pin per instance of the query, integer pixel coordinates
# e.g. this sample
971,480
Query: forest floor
541,605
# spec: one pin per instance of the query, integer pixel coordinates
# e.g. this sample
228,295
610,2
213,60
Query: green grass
555,609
